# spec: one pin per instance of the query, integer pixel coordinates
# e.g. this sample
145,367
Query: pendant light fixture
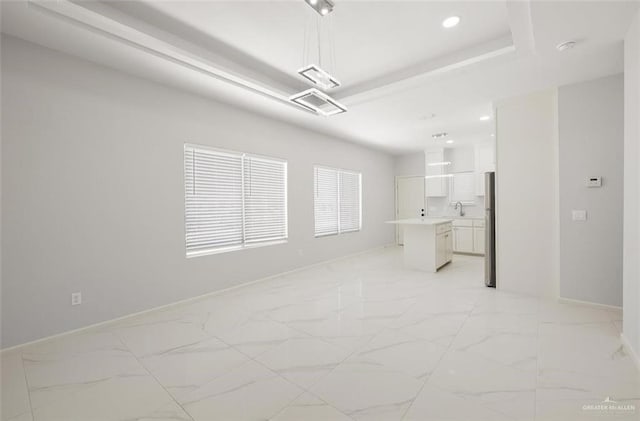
323,7
317,76
315,99
318,102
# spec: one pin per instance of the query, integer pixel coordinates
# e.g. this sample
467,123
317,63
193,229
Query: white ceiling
369,39
404,76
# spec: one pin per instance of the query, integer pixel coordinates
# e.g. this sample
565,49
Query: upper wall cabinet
485,157
436,183
462,188
462,159
485,161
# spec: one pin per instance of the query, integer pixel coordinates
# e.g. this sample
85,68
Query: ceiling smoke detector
567,45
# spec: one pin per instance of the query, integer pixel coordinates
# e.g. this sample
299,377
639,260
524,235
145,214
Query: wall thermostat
594,182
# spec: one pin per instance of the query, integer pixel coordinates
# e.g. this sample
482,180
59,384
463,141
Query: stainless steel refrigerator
490,227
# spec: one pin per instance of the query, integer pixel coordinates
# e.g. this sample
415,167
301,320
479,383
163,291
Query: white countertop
420,221
457,217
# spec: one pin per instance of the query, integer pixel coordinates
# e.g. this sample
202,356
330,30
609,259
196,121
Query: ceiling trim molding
121,28
488,51
521,24
103,25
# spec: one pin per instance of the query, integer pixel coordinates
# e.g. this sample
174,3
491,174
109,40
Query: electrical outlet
76,298
594,182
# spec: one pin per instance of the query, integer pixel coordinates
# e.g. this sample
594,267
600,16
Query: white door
409,200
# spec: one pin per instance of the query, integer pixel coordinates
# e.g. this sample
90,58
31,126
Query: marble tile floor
356,339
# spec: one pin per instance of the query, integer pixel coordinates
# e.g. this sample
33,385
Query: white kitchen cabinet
462,159
479,184
441,249
485,157
485,161
449,245
462,188
478,240
444,248
468,236
427,242
463,239
435,185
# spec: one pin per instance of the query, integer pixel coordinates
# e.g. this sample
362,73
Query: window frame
339,172
243,245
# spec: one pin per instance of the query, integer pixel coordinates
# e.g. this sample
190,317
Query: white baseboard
185,301
587,303
625,342
630,350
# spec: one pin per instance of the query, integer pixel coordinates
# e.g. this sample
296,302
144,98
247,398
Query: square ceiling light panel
318,102
317,76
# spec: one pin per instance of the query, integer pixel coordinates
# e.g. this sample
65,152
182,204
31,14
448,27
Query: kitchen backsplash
440,206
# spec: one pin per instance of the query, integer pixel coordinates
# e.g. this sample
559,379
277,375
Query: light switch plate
76,298
579,215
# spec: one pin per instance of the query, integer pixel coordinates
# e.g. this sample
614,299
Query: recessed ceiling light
485,118
451,21
493,135
449,141
567,45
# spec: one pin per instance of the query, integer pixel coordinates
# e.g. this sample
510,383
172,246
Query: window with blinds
337,201
233,200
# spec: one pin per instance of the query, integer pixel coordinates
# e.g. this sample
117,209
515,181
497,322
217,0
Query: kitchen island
428,242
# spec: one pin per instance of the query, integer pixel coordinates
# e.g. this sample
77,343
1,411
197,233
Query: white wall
410,164
591,137
92,178
631,271
527,194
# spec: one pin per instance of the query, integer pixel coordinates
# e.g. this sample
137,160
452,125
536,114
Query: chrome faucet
461,210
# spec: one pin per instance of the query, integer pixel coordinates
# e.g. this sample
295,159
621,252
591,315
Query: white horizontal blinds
349,211
265,199
338,204
213,199
326,201
232,199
